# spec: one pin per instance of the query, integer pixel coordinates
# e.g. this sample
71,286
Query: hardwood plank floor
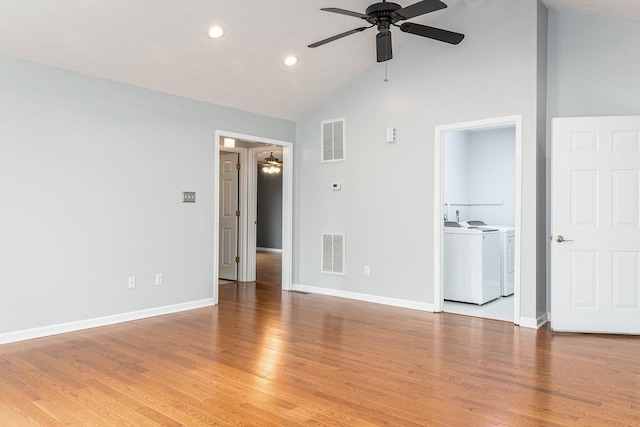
269,268
266,357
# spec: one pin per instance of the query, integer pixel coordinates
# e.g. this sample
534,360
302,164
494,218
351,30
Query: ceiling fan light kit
384,15
271,165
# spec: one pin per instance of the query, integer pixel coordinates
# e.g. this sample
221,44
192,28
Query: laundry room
479,177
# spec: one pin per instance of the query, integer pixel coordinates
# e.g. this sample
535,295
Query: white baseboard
422,306
62,328
530,322
269,250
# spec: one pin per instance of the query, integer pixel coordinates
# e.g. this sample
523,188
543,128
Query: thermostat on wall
336,186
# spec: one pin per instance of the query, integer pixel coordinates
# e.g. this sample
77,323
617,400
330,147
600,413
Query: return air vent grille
333,253
333,141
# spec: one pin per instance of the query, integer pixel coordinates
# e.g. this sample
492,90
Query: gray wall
492,175
455,153
91,176
386,204
542,242
479,169
594,64
269,227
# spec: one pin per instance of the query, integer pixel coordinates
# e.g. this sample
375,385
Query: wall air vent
333,253
333,141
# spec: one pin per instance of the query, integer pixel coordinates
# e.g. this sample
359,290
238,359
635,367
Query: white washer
507,250
471,264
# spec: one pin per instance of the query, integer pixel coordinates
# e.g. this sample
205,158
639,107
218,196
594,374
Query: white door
228,267
595,224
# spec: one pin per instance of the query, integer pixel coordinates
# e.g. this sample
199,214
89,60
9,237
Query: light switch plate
391,134
188,197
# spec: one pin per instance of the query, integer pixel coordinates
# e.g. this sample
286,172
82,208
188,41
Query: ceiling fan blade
432,33
383,46
420,8
336,37
346,12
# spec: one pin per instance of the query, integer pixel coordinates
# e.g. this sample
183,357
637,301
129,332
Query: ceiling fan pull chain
386,69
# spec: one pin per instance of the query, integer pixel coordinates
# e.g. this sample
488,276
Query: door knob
561,239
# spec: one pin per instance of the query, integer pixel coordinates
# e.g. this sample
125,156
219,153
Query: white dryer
507,250
471,264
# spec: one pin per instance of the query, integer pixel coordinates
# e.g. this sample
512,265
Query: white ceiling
162,44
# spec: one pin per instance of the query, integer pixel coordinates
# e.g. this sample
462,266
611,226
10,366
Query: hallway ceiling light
215,32
229,142
271,165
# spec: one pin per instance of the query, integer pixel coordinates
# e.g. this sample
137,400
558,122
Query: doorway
269,216
248,147
463,242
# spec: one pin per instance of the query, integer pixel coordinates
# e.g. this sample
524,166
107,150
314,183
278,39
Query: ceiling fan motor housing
382,14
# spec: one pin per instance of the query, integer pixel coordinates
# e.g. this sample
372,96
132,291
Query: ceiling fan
271,165
385,14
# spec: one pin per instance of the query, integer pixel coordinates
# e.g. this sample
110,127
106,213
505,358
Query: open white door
228,266
595,225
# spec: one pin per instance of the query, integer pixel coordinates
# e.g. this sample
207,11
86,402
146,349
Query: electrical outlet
366,270
132,282
158,279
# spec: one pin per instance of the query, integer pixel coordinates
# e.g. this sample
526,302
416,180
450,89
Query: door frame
438,203
248,191
252,207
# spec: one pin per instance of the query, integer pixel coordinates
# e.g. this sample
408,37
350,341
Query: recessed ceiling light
229,142
290,60
215,32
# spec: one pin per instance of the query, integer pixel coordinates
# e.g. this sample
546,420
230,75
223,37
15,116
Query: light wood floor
266,357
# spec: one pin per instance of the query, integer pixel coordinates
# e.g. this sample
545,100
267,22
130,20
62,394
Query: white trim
79,325
413,305
529,322
249,174
216,218
438,203
268,249
251,216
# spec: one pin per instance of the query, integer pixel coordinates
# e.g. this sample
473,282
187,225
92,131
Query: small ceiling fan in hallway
385,14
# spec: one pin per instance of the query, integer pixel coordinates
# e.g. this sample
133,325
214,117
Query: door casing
438,203
247,230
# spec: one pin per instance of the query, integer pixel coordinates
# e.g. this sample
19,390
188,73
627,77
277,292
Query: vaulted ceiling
162,44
